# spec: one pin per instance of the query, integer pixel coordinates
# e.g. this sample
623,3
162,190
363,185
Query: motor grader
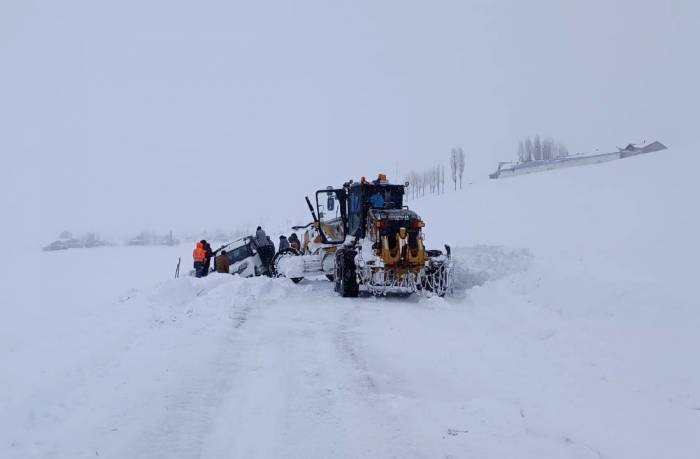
364,239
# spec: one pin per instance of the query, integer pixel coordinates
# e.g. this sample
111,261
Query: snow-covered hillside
572,333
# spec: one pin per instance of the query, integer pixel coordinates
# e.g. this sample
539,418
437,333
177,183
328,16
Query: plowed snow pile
572,333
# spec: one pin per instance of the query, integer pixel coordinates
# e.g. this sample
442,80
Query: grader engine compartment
396,236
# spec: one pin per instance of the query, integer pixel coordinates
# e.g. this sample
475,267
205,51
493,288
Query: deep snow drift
572,333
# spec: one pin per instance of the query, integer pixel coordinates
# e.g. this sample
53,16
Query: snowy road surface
229,367
573,333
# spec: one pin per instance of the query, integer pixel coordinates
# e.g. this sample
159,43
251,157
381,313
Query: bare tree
417,183
436,178
521,152
541,150
537,148
416,186
461,163
413,184
442,179
562,151
454,164
407,181
431,180
529,149
548,152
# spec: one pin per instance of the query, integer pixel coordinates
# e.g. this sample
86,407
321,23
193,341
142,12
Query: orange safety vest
199,254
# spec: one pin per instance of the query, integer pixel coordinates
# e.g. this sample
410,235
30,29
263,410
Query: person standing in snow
207,259
294,241
264,248
284,243
199,255
260,237
221,262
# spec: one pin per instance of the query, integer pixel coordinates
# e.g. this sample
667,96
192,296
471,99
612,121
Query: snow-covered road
230,367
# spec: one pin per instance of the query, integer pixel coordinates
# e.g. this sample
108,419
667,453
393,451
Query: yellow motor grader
364,239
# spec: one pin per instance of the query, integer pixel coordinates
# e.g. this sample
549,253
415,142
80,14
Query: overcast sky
118,116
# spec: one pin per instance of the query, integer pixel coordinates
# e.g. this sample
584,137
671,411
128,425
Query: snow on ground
571,333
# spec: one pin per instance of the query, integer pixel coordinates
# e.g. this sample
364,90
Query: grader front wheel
345,276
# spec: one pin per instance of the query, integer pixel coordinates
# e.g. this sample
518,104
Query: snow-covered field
573,333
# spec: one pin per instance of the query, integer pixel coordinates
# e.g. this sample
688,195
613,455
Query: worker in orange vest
199,254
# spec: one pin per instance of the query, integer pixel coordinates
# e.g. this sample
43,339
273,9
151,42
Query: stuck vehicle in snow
364,239
243,258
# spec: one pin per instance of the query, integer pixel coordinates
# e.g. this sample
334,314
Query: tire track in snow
189,411
302,389
343,341
391,435
242,318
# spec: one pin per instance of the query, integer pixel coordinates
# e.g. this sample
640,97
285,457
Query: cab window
239,253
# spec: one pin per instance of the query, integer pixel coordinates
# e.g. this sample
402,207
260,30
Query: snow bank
633,215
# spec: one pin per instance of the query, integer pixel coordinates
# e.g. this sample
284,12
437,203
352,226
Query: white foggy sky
119,116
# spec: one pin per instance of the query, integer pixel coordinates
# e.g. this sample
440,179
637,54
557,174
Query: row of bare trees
541,150
432,180
457,163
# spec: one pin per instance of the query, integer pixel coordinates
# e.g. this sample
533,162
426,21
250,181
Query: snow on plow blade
384,282
290,266
434,278
437,278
